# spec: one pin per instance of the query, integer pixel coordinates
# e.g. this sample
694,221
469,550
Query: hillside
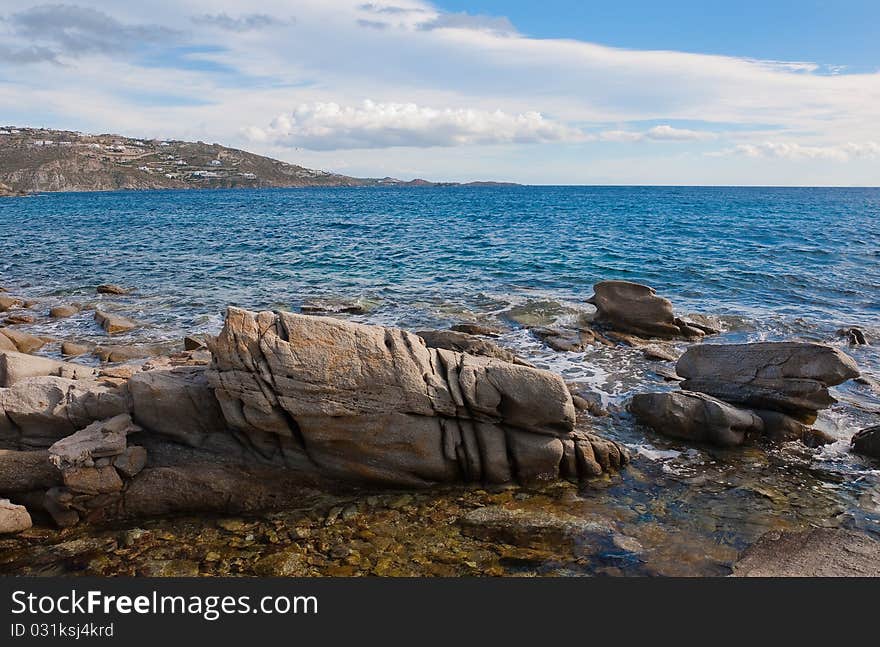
35,160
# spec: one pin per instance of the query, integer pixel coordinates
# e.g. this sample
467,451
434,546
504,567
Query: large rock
466,343
15,367
21,341
867,442
37,411
178,403
371,403
636,309
819,552
113,323
696,417
792,377
7,302
13,518
26,471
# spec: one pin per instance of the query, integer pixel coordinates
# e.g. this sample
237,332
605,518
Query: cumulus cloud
329,126
243,23
71,30
372,7
662,133
498,25
795,151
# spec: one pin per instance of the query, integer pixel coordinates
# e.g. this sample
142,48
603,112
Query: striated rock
867,442
100,439
695,417
37,411
111,288
63,311
370,403
179,403
15,367
19,318
8,303
22,341
792,377
818,552
114,324
465,343
13,518
633,308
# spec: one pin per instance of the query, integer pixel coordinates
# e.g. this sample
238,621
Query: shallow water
772,263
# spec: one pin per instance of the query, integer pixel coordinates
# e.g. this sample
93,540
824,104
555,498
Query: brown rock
131,461
634,308
19,318
92,480
465,343
114,324
867,442
478,329
23,342
193,342
72,349
15,367
13,518
111,288
63,311
7,302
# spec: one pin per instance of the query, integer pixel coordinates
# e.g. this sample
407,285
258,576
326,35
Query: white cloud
795,151
661,133
329,126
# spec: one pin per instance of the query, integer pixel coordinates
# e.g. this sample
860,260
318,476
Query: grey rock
867,442
15,367
465,343
131,461
633,308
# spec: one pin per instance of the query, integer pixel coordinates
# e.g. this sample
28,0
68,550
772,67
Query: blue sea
771,263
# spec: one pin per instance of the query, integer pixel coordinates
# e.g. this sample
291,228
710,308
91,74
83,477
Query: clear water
774,263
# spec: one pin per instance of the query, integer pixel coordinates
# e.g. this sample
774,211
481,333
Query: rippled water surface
772,263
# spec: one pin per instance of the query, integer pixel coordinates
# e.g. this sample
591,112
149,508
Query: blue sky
624,92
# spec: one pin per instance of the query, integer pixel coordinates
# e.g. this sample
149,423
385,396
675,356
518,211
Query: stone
178,402
92,480
633,308
855,336
73,349
64,311
695,417
779,427
19,318
58,504
867,442
564,339
287,562
170,568
114,324
8,303
465,343
659,353
128,352
532,528
6,342
484,330
23,342
99,439
13,518
25,471
791,377
193,342
131,461
368,403
818,552
111,288
15,367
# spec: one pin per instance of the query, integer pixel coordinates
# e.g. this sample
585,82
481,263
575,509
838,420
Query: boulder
26,471
7,302
484,330
867,442
19,318
6,343
778,427
63,311
466,343
13,518
855,336
791,377
695,417
111,288
633,308
177,402
22,341
113,323
102,438
370,403
15,367
193,342
72,349
818,552
92,480
129,352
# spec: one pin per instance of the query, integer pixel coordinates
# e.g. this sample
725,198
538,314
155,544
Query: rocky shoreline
282,407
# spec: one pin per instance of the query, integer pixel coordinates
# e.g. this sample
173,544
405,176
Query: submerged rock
696,417
111,288
792,377
478,329
819,552
867,442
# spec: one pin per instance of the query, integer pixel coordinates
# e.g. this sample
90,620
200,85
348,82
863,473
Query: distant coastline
40,160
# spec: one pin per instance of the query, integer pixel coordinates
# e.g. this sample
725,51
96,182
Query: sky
552,92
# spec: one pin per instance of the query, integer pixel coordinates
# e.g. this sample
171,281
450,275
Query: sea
769,263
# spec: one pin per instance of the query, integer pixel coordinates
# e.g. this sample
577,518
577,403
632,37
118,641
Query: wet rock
179,403
64,311
15,367
484,330
564,339
193,342
288,562
533,528
170,568
708,324
376,404
129,352
22,341
72,349
695,417
336,306
114,324
792,377
659,353
465,343
13,518
8,303
855,336
779,427
867,442
58,502
819,552
587,400
633,308
19,318
538,313
111,288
